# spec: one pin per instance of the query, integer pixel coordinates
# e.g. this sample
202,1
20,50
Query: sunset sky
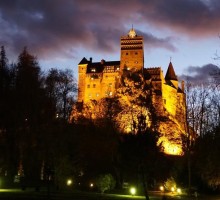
61,32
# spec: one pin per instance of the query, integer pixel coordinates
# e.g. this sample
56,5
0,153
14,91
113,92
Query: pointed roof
83,61
170,75
132,32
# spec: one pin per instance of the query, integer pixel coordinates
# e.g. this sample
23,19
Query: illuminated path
14,194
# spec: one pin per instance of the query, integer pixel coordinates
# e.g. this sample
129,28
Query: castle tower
171,76
82,68
132,52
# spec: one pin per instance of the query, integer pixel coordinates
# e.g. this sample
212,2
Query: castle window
88,86
93,70
117,68
110,84
110,93
164,101
110,69
97,94
126,53
94,85
90,95
136,53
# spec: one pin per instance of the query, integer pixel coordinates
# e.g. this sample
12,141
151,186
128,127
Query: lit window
110,84
117,68
110,93
93,70
97,94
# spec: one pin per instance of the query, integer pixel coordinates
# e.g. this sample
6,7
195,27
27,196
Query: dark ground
17,194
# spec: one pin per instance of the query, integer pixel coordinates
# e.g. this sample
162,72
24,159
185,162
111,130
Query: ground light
133,191
69,182
161,188
179,191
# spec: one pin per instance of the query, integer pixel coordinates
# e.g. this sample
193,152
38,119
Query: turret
171,76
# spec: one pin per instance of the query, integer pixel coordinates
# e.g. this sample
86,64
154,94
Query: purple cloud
203,74
59,27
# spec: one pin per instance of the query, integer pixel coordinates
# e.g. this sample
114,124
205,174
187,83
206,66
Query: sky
61,32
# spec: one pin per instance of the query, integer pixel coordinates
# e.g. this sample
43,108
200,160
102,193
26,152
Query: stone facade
99,80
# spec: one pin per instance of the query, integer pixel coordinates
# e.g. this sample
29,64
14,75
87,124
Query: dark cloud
52,28
203,74
155,42
198,18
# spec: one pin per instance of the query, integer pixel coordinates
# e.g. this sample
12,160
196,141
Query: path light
69,182
91,185
172,189
161,188
133,191
179,191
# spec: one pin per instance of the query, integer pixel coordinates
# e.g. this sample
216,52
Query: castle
98,80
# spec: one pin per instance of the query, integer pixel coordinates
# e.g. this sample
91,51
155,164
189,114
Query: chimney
90,59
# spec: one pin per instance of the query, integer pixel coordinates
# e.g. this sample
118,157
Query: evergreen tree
29,114
4,106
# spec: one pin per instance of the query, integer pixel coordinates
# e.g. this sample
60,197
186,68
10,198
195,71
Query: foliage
31,135
207,162
135,104
169,183
202,107
63,170
61,87
105,182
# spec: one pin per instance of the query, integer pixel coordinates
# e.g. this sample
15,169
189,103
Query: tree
135,104
203,118
139,156
4,87
61,87
105,182
29,114
207,162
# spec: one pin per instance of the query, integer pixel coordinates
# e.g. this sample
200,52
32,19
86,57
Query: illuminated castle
98,80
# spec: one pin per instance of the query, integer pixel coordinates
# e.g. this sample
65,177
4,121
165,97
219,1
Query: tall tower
132,52
82,68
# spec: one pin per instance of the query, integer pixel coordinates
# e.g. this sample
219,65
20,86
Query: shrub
105,182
